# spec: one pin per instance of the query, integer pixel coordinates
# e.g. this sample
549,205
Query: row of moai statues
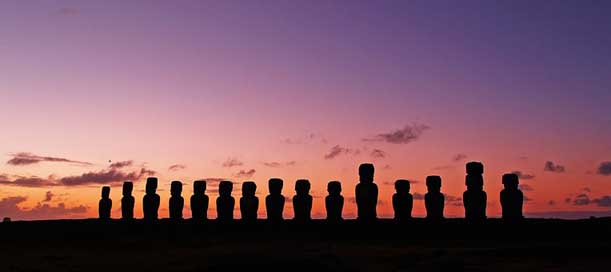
474,199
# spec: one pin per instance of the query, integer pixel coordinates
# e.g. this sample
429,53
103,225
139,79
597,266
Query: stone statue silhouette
274,202
402,200
199,201
366,194
225,203
105,205
302,201
511,198
474,198
434,200
176,201
128,201
249,202
334,202
150,202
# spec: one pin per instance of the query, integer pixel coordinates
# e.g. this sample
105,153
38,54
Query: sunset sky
96,92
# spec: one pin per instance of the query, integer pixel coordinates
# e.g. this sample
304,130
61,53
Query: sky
94,93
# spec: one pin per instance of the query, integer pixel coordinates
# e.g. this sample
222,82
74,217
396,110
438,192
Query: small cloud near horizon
459,157
604,168
26,158
176,167
232,162
245,173
275,164
405,135
378,154
338,150
523,176
552,167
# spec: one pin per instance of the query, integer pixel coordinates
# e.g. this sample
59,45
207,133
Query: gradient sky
248,90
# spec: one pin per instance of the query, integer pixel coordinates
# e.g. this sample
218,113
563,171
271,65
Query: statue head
366,173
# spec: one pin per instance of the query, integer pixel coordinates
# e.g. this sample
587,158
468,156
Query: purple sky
198,82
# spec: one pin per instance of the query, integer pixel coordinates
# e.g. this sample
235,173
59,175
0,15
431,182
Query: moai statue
302,201
150,202
225,202
249,202
511,198
274,202
334,202
199,201
402,200
176,201
434,199
105,204
474,198
128,201
366,194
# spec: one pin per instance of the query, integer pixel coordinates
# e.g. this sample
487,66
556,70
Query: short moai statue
366,194
334,202
105,205
302,201
249,202
150,202
274,202
474,198
225,202
199,201
511,198
177,202
434,200
402,200
128,201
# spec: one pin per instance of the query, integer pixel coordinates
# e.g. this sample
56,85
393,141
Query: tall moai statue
334,202
150,202
434,200
128,201
274,202
199,201
302,201
511,198
474,198
177,203
225,202
105,205
366,194
402,200
249,202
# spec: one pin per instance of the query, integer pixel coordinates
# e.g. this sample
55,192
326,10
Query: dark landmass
453,245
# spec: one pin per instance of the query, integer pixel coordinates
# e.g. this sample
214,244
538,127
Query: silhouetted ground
91,245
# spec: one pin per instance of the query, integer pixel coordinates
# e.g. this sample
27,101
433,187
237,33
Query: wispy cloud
307,139
405,135
245,173
26,158
177,167
338,150
525,187
523,176
108,177
111,176
459,157
378,154
121,164
232,162
67,11
279,164
552,167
